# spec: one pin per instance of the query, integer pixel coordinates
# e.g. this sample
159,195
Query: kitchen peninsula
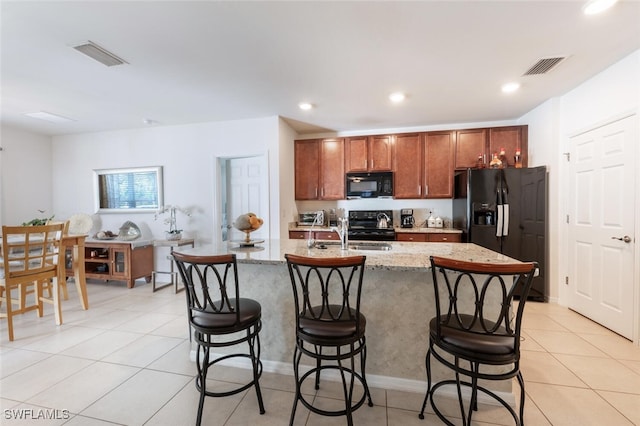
397,300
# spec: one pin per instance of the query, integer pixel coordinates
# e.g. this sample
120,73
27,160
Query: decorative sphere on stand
248,223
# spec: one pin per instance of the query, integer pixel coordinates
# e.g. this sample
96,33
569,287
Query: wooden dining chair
31,255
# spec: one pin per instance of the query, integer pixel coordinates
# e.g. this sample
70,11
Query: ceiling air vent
101,55
544,65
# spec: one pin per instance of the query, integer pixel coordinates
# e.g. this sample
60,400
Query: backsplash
421,208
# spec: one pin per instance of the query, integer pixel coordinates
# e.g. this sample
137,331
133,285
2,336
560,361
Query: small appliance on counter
316,218
406,218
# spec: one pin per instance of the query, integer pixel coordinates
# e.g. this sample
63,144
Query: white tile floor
126,361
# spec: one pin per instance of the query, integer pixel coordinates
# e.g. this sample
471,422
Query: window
136,189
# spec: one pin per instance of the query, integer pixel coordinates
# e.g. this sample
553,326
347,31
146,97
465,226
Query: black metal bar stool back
219,318
476,330
330,329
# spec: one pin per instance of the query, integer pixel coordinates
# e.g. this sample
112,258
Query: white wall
25,169
188,155
607,96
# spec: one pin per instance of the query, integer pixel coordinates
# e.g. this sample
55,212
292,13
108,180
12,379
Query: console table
173,275
118,260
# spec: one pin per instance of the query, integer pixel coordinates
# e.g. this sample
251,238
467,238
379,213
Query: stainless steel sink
370,246
360,245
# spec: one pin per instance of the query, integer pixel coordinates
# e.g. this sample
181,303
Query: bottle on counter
503,158
495,161
438,222
431,221
480,161
518,159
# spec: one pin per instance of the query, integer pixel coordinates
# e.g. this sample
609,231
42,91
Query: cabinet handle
426,190
322,192
316,196
419,189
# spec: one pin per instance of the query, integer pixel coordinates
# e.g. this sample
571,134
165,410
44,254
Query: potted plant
174,233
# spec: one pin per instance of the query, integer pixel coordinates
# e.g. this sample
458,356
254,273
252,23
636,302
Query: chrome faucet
311,242
343,232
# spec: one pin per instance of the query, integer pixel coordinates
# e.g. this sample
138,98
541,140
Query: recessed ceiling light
47,116
593,7
397,97
305,106
510,87
149,122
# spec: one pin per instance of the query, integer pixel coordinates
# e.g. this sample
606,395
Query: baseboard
374,381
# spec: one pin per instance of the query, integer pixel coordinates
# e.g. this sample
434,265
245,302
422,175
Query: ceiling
205,61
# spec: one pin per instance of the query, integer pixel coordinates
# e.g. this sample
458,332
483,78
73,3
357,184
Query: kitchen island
397,299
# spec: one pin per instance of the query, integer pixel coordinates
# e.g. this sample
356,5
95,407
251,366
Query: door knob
626,239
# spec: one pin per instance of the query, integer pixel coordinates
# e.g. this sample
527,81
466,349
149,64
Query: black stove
363,225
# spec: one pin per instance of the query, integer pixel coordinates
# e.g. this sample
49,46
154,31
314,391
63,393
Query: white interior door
601,226
247,191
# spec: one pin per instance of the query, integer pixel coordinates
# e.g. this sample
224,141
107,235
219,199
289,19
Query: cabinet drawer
298,235
444,238
416,238
326,235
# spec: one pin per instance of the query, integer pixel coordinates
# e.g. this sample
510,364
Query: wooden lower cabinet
117,261
429,237
316,235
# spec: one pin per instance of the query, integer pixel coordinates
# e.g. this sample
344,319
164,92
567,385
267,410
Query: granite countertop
397,229
403,256
418,230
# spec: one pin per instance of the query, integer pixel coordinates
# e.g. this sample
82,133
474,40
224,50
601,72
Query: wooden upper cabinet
439,154
307,169
319,169
511,139
408,155
368,153
332,179
380,153
470,144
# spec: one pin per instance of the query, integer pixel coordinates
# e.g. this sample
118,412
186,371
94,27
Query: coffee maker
406,218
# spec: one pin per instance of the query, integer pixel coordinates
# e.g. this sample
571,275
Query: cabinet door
380,153
119,263
307,169
511,139
332,169
470,144
407,179
439,164
356,154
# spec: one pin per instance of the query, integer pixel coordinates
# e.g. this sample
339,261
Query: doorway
244,188
602,231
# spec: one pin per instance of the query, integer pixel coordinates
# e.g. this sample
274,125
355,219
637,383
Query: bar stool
216,310
466,340
330,328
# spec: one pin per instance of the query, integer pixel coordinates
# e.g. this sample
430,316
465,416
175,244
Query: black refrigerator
505,210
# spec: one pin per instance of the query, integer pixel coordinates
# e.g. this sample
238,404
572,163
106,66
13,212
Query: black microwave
369,185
